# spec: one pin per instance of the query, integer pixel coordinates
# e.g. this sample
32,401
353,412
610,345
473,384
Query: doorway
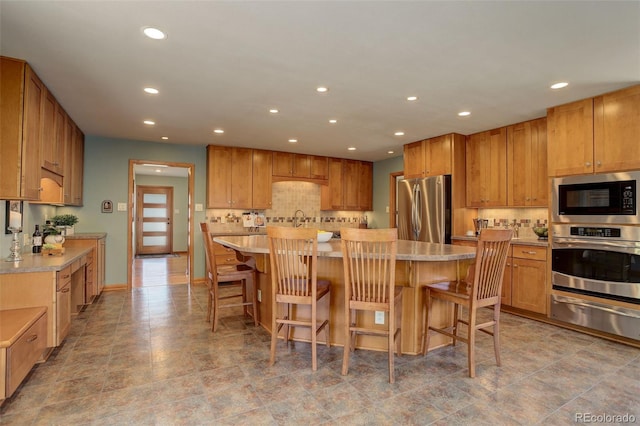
154,220
187,170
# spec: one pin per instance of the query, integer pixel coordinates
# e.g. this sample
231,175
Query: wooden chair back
293,253
209,255
488,273
369,259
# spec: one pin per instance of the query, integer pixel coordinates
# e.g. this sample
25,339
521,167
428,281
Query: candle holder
14,255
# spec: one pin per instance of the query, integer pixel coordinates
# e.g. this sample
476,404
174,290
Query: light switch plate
122,207
379,319
198,207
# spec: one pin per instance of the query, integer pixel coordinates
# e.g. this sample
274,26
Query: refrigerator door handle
417,212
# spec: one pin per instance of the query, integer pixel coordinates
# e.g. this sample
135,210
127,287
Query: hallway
156,271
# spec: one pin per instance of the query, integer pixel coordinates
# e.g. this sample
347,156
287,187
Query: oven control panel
595,231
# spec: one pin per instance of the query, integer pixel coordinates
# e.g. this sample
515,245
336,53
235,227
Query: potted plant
66,222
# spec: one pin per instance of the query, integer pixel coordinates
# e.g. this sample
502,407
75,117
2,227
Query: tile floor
148,358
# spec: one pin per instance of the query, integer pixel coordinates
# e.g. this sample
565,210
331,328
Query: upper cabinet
486,168
21,112
299,166
262,170
595,135
429,157
527,164
229,177
350,186
53,141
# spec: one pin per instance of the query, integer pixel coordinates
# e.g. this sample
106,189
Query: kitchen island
417,264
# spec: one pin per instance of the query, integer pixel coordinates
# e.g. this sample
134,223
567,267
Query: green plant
64,220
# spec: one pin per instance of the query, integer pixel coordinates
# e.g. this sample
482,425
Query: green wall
381,171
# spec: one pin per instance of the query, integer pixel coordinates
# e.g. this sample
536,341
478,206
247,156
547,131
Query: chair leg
456,318
216,308
274,331
353,335
327,334
429,305
209,304
346,350
314,336
496,333
245,308
390,342
254,299
471,342
399,327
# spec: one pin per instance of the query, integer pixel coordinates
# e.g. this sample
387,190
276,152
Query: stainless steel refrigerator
424,209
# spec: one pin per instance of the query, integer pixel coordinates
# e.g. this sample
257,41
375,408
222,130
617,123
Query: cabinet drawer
529,252
63,277
24,353
226,259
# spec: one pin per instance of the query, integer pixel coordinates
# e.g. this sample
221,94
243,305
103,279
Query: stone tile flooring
148,358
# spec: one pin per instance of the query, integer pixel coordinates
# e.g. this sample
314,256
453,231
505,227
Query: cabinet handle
64,277
528,252
515,265
65,290
32,338
598,163
588,164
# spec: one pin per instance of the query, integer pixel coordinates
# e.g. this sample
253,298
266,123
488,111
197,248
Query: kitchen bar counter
514,241
86,236
43,263
417,264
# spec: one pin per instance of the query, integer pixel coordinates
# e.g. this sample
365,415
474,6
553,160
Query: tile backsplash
526,218
287,198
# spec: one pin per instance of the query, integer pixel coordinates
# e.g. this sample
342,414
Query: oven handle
570,301
630,247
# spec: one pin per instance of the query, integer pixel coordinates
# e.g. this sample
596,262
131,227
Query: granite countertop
407,250
86,236
43,263
238,233
514,241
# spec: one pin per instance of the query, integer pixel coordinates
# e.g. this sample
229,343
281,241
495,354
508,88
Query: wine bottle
37,240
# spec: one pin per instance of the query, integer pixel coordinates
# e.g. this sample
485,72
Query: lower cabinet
94,283
529,278
63,304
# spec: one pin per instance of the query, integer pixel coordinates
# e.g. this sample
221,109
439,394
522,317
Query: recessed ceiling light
412,98
274,111
218,131
164,138
151,90
293,140
158,171
389,152
464,113
399,133
154,33
149,122
333,121
352,148
559,85
322,89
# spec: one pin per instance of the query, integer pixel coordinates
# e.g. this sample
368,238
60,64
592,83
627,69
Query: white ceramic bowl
324,236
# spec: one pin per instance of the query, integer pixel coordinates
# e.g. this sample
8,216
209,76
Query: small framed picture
13,218
107,206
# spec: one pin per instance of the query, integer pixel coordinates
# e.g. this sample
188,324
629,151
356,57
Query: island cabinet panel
229,177
527,181
486,168
616,131
21,130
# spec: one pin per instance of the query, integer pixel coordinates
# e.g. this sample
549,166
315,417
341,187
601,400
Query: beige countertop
42,263
514,241
407,250
86,236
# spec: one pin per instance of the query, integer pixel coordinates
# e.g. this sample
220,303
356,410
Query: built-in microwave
600,198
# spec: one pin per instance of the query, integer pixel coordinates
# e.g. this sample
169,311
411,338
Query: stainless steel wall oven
599,261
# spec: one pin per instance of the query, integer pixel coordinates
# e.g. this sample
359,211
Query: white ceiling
224,64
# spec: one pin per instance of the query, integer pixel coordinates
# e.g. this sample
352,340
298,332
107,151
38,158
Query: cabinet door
486,154
617,131
218,177
60,140
570,138
262,172
438,156
331,194
63,312
301,166
68,164
241,178
31,135
527,164
365,186
77,170
351,183
282,164
529,285
319,167
505,296
48,140
414,158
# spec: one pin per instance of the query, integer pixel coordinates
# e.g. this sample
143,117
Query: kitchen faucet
296,224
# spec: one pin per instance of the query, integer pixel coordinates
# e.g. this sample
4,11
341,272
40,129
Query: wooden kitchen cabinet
486,168
52,144
365,186
20,133
527,181
351,181
95,262
331,195
430,157
595,135
229,177
63,304
301,166
262,162
529,278
350,186
74,172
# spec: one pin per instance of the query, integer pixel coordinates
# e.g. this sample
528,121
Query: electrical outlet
387,209
379,319
259,295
